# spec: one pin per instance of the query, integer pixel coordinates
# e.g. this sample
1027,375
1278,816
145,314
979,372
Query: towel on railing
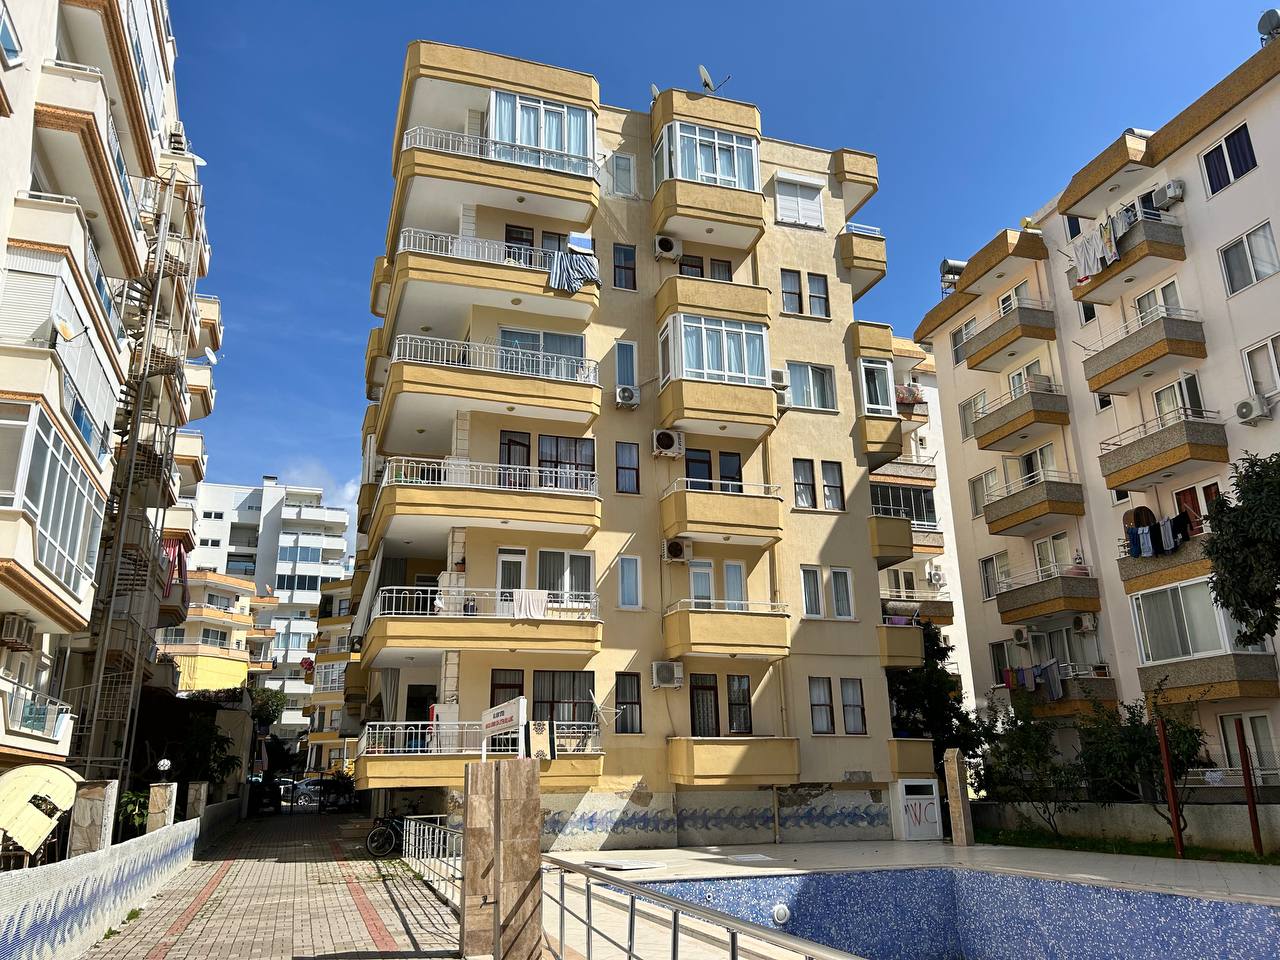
570,271
540,739
529,604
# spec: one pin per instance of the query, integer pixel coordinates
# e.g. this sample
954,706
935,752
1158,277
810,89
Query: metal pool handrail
734,928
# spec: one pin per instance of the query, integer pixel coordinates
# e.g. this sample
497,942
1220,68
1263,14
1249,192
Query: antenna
653,91
211,356
705,76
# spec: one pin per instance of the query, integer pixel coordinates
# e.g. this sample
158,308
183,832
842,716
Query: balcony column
161,805
92,816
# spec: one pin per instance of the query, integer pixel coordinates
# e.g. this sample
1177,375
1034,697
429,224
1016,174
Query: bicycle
386,838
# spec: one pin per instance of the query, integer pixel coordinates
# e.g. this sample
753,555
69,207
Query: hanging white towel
529,604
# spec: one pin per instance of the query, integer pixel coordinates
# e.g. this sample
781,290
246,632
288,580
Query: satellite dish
1269,23
654,91
64,330
211,357
707,85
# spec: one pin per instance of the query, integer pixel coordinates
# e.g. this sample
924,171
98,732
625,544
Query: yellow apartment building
220,643
334,726
643,503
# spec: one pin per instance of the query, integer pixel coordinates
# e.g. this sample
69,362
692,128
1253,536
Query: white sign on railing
509,717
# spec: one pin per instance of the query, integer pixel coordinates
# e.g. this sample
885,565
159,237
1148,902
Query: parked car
306,792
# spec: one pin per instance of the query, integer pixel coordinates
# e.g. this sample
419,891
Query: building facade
1099,369
225,638
289,544
102,346
331,737
642,504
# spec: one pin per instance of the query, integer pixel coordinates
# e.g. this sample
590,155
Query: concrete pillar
197,798
161,805
958,798
92,816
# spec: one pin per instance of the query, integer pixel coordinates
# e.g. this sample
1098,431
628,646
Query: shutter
475,123
788,202
809,204
26,307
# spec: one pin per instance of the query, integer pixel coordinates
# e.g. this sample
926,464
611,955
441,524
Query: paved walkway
287,888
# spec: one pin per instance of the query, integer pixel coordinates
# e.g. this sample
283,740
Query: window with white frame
841,593
542,133
812,386
994,571
877,387
568,577
1262,364
853,707
811,587
970,410
622,175
799,200
958,337
1249,258
1229,159
10,45
708,348
1004,656
624,355
213,638
686,151
1181,621
629,583
1011,299
980,488
1165,295
14,418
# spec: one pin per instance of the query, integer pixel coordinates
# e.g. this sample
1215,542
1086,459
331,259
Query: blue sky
978,112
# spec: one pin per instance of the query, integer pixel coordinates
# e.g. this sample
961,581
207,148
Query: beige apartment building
643,504
334,726
102,366
1099,369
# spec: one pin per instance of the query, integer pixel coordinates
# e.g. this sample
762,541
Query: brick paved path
287,887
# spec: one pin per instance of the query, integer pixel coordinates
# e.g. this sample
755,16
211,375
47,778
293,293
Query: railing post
675,934
587,914
631,927
562,909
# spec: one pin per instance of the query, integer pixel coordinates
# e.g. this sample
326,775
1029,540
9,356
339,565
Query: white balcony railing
1134,324
437,738
456,472
1042,572
1000,491
32,712
726,606
863,230
1157,423
915,596
491,603
495,358
731,487
475,248
468,145
912,459
1031,384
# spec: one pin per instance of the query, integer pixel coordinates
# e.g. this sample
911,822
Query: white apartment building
1085,401
289,543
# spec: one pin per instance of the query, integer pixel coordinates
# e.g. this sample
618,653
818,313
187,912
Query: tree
1244,548
206,752
1120,752
268,706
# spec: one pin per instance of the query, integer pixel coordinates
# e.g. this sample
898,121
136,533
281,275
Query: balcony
180,524
314,513
733,761
32,724
1083,684
711,298
1019,325
861,250
1186,562
209,310
933,605
1046,591
890,534
911,759
424,498
718,409
1017,508
199,377
879,439
430,380
406,621
901,643
909,470
927,539
1219,676
190,458
723,511
707,213
1156,343
726,628
435,754
445,276
858,174
75,134
913,408
1172,445
1026,415
1147,249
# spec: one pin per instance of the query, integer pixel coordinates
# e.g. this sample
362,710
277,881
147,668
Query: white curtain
578,139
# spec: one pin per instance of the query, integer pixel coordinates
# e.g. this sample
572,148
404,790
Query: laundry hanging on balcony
1097,247
575,266
1148,537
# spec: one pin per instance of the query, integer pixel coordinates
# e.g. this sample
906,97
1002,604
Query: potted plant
460,566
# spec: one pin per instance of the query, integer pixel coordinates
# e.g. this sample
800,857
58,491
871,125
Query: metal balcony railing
1157,423
428,738
892,593
863,229
1199,526
469,145
732,487
455,472
491,603
1134,324
726,606
30,711
475,248
1042,572
887,510
495,358
1000,491
1032,384
1006,307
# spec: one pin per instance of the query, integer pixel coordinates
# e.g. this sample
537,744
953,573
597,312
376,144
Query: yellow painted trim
912,759
1165,348
375,772
1011,336
708,203
1050,607
1057,417
716,403
716,298
710,514
1176,574
900,646
733,761
1043,509
723,633
1179,454
480,633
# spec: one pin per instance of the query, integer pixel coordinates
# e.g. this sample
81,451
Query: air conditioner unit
936,578
178,138
1019,635
780,380
668,443
667,673
1085,623
626,396
16,631
667,248
677,550
1167,195
1252,409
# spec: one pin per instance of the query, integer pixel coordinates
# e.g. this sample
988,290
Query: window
626,700
812,386
915,503
739,687
690,152
1249,259
1181,621
173,635
624,266
567,463
704,705
344,607
1073,226
10,45
1119,496
1003,657
797,202
792,299
299,555
832,485
542,133
958,338
1088,312
624,357
629,583
691,266
730,471
566,576
970,410
877,387
721,270
1262,364
554,242
805,492
822,717
1053,554
210,542
1102,401
505,685
1166,295
701,584
212,637
855,711
811,584
819,305
622,173
841,593
565,696
1229,160
697,469
994,571
735,585
212,515
519,244
708,348
289,581
627,467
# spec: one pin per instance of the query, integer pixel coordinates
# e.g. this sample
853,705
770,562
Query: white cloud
310,472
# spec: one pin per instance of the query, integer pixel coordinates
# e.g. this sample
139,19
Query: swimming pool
952,913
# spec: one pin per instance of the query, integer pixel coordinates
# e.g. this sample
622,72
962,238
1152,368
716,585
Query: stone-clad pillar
92,816
161,805
197,798
958,798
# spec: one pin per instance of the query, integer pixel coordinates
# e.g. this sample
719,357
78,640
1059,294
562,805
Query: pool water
949,913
